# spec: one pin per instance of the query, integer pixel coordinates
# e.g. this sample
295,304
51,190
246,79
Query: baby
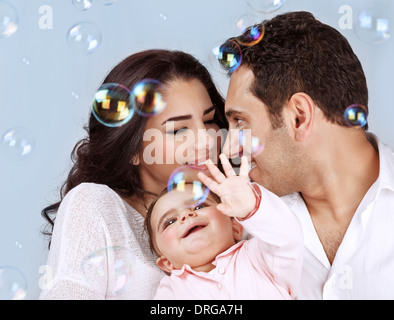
200,245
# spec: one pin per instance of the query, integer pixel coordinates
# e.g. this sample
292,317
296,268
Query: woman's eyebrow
178,118
209,110
187,116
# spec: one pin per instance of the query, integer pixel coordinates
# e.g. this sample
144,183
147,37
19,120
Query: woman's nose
186,214
204,140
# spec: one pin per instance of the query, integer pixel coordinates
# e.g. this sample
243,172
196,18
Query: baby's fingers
211,184
216,173
244,169
228,169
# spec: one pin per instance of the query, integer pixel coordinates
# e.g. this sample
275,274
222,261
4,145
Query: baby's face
186,233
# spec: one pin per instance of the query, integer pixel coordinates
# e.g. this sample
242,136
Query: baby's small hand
237,197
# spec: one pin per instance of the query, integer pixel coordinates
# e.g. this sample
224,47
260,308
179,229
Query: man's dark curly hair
301,54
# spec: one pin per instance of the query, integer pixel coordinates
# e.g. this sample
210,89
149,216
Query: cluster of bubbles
114,104
250,31
229,53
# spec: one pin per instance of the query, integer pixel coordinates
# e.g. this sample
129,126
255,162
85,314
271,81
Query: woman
98,247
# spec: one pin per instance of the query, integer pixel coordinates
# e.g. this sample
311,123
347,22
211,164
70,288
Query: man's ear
164,264
301,114
237,230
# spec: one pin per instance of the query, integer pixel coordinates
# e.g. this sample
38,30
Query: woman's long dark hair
104,155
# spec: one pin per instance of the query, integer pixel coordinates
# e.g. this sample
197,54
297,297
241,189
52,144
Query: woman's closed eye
178,131
211,121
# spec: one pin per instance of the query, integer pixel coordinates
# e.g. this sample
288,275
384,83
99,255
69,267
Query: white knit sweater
95,232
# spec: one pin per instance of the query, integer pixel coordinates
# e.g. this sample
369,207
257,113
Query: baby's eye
169,222
200,206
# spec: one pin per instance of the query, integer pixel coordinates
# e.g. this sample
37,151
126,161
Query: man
291,91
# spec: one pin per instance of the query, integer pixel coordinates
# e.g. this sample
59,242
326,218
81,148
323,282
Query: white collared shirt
363,268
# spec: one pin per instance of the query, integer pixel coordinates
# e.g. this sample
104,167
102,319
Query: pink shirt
268,266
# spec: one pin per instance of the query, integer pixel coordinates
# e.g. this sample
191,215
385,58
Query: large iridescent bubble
187,175
250,30
229,55
146,97
111,105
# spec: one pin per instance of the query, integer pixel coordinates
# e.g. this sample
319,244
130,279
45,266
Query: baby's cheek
169,238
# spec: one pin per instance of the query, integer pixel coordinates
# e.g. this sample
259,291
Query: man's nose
232,147
186,214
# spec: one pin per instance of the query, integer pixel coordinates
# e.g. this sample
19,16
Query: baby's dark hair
148,225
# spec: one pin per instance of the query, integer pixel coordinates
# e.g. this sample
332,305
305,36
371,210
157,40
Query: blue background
47,88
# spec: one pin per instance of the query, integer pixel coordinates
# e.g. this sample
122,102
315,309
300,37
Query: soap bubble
147,97
373,25
265,6
250,30
8,19
26,61
84,37
106,2
251,145
228,55
163,16
13,284
113,265
356,115
188,175
82,4
18,142
111,105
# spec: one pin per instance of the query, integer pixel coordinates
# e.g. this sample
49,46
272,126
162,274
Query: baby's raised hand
237,196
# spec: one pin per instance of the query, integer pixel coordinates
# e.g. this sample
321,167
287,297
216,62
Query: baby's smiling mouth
193,228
